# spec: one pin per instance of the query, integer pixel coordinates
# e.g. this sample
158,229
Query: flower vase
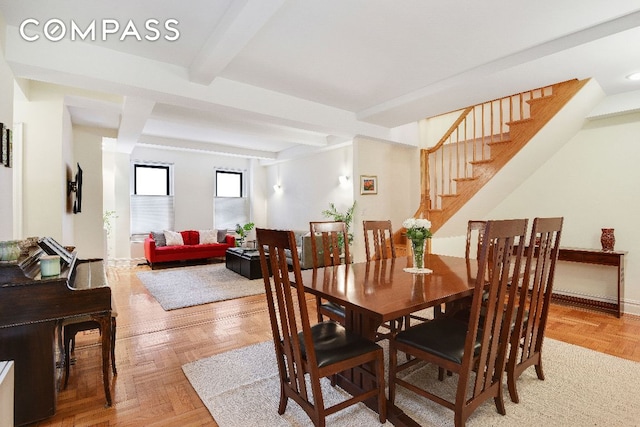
418,250
607,239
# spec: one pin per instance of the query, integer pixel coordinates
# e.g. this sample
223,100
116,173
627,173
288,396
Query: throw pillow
173,238
208,237
158,237
222,236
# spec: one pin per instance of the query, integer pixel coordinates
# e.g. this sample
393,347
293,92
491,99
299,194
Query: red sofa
192,248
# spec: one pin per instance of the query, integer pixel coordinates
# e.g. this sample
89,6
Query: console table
600,257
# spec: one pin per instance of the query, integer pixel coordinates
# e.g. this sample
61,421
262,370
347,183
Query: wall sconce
344,179
277,188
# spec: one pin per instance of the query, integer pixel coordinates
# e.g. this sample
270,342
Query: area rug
582,388
188,286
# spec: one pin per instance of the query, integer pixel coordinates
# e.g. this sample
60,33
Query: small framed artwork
368,184
9,138
4,146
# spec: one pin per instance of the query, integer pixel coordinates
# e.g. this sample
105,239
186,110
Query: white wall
88,224
6,117
309,184
46,166
592,181
398,171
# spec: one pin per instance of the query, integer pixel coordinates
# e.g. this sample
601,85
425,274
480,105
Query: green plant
106,218
243,231
346,217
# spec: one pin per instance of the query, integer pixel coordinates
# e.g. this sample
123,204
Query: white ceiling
272,78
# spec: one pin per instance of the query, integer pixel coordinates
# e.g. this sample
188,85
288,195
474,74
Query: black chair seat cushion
442,337
333,343
334,308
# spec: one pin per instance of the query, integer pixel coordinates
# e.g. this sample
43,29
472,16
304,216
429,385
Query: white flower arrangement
417,228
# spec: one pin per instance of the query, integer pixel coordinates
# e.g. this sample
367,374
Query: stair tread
479,162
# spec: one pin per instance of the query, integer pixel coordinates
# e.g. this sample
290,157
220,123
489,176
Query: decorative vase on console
418,231
608,239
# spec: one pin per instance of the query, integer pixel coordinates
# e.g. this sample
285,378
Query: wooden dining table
379,291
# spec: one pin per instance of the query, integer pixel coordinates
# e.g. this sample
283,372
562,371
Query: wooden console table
600,257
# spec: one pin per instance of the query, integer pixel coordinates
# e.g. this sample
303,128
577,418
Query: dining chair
333,237
476,350
475,231
306,353
475,234
378,242
535,297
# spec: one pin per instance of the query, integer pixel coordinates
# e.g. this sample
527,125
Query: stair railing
468,141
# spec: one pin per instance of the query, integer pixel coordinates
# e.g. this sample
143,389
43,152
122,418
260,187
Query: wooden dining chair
535,297
333,250
378,240
306,353
476,350
475,231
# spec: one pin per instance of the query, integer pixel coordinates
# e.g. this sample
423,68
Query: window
151,198
151,180
231,206
228,184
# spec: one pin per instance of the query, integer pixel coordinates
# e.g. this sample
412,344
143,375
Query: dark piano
31,309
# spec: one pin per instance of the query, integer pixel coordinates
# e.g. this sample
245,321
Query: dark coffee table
244,261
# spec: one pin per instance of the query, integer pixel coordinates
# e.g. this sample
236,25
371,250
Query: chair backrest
537,285
378,234
335,242
493,304
475,233
475,230
287,307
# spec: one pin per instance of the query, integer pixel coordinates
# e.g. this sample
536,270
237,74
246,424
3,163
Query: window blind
151,213
230,211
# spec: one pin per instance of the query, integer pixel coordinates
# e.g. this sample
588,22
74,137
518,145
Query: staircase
478,144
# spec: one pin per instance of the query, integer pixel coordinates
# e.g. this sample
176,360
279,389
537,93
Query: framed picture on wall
368,184
4,146
8,135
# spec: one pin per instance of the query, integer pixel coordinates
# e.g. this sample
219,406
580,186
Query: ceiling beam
203,147
241,22
135,113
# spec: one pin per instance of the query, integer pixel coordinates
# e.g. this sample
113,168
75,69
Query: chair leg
67,357
538,366
113,346
393,362
282,406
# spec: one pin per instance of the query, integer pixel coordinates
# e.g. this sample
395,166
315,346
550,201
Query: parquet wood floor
152,345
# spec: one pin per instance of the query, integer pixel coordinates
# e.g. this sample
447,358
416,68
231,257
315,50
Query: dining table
379,291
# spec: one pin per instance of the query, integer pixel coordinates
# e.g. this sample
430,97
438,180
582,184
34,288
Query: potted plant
242,231
346,217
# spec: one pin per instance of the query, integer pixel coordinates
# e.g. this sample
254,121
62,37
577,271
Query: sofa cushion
190,237
173,238
222,236
208,236
158,238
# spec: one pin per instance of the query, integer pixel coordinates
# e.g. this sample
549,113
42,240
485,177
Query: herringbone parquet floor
152,345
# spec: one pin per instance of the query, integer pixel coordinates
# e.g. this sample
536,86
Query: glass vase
417,251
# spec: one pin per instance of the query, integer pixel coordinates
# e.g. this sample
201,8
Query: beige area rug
188,286
582,388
